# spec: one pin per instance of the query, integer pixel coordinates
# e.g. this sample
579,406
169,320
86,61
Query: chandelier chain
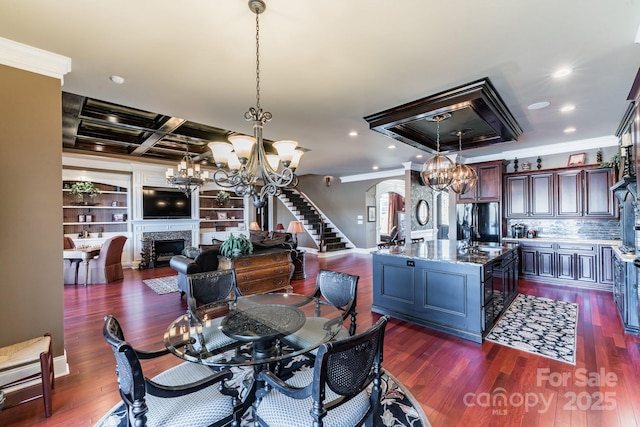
257,60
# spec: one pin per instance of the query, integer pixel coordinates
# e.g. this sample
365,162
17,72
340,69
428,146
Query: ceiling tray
476,108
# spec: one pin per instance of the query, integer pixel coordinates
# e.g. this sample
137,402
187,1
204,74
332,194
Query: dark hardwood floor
458,383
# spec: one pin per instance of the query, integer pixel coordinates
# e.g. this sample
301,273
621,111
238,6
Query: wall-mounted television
163,203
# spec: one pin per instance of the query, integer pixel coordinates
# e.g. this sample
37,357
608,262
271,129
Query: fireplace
164,250
157,247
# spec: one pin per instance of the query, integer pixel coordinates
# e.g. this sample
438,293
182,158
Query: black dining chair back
340,290
211,286
195,389
334,392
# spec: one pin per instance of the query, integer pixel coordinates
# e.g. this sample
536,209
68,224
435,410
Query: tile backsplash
571,228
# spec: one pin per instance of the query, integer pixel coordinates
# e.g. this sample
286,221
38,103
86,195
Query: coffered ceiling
189,71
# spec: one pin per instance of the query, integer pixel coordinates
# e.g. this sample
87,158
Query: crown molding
28,58
545,150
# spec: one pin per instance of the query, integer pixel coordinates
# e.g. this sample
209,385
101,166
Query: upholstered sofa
207,259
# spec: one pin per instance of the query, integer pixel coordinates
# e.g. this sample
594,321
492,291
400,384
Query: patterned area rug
163,285
398,407
540,326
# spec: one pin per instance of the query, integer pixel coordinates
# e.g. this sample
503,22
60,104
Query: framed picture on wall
576,159
371,214
117,217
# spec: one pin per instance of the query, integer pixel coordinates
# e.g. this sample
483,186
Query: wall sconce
327,180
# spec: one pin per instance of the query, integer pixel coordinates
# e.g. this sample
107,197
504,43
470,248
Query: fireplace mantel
160,227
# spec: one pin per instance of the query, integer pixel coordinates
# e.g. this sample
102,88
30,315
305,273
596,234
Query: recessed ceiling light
562,72
538,105
117,79
570,130
391,147
567,108
418,156
375,168
353,133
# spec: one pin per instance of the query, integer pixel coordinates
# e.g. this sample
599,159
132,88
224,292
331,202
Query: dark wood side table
298,266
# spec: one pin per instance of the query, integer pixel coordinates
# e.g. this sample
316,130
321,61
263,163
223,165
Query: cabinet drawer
576,247
537,246
245,275
265,285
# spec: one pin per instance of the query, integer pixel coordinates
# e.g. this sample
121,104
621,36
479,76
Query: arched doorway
390,204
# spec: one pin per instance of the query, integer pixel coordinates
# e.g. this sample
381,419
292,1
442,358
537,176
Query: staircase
319,227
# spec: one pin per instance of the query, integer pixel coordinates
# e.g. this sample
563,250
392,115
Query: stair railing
322,225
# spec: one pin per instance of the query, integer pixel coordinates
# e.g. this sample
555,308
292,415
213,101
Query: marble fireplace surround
147,231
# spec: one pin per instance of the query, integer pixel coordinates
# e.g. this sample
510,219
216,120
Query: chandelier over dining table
244,160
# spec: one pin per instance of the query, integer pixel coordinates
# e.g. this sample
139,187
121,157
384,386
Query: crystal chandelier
245,160
189,176
437,172
464,177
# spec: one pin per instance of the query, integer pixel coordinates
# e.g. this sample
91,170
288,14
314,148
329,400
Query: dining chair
332,288
70,266
331,393
189,394
107,266
205,288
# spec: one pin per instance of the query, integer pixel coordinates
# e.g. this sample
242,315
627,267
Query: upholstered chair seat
332,288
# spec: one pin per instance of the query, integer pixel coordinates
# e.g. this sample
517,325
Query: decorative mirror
422,212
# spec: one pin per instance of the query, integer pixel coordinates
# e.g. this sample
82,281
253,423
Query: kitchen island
435,284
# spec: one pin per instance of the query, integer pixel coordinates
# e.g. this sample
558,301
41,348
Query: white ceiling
325,65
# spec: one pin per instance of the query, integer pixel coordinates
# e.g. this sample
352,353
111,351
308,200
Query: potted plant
85,190
222,197
234,246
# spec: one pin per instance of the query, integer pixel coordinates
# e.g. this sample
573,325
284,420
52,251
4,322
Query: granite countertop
443,251
624,256
563,240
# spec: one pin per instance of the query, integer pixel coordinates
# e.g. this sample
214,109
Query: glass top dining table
252,330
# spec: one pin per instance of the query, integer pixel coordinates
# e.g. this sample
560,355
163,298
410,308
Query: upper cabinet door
569,184
542,195
516,196
489,185
599,199
489,182
471,195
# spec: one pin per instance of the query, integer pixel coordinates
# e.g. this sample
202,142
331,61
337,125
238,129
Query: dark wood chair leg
46,367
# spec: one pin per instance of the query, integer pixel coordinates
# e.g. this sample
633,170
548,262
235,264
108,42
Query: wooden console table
261,272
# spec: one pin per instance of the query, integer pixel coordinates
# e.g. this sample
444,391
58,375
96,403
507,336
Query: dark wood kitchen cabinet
562,193
606,264
577,262
489,185
586,193
537,259
625,294
529,195
569,193
597,183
